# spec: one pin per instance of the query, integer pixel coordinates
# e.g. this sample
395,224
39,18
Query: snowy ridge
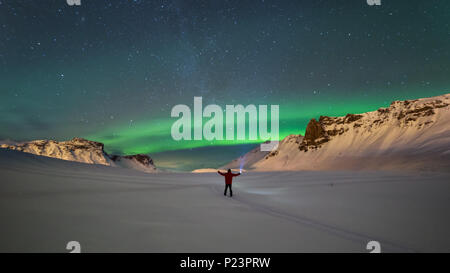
411,134
84,151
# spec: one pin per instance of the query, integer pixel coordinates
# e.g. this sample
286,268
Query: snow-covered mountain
84,151
411,134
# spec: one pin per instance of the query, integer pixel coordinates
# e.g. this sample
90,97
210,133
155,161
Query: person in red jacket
228,180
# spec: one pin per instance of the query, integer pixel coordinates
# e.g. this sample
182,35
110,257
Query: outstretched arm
220,173
236,174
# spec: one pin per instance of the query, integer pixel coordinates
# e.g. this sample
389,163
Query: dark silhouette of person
228,180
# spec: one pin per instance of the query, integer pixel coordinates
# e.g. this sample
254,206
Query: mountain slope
411,134
84,151
247,159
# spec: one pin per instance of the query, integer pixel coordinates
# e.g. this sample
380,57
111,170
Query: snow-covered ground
47,202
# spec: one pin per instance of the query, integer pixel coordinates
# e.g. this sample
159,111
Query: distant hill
84,151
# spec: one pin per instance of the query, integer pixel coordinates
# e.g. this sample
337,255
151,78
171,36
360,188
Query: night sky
111,71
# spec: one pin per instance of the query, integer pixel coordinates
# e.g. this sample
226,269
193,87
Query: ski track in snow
346,234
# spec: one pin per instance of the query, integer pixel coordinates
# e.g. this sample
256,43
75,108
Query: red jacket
228,176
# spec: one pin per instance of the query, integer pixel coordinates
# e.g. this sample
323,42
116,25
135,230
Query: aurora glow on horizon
111,71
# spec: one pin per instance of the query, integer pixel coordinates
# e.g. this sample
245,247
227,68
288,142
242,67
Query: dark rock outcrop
141,158
315,135
349,118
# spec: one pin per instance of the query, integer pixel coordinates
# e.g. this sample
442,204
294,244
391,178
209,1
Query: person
228,180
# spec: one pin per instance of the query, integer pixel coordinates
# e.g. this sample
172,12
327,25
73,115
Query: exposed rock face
84,151
140,162
315,135
143,159
349,118
412,112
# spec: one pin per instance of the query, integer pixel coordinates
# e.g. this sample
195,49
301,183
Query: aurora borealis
111,71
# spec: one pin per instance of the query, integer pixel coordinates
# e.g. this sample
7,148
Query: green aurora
155,135
111,71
